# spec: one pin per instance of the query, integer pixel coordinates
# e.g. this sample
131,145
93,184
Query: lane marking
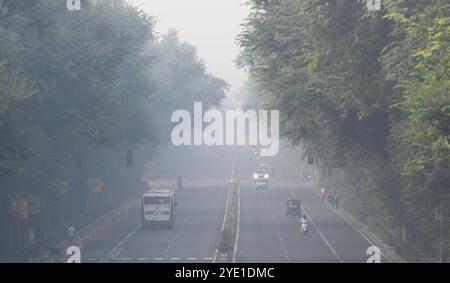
312,222
346,220
181,227
274,220
236,242
191,258
158,258
208,258
174,258
362,234
142,259
110,255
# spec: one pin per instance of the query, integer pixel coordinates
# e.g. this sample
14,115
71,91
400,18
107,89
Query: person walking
330,199
337,200
71,233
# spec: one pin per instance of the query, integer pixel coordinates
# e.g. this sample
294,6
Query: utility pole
438,217
440,232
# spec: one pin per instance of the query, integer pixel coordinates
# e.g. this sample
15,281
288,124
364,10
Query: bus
158,208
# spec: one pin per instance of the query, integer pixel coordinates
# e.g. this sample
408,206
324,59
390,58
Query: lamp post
438,217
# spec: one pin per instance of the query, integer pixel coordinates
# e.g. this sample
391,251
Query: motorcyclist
304,224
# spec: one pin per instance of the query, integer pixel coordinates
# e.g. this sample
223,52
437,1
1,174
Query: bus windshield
156,200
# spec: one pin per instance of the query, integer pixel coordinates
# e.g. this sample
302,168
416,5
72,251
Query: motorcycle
304,229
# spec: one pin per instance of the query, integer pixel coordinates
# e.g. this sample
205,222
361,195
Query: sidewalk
88,233
387,251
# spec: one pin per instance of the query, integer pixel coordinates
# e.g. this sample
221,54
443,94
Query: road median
229,234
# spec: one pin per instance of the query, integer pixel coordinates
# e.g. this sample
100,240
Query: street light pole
438,217
440,232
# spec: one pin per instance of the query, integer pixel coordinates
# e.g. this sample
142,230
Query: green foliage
15,90
368,92
78,89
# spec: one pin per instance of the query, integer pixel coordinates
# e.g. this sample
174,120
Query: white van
158,208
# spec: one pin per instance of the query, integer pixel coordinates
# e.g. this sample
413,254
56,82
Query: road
266,235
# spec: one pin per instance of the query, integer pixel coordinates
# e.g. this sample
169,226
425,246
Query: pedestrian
71,233
322,194
337,199
330,198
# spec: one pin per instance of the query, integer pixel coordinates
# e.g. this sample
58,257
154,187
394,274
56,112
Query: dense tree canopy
368,93
77,90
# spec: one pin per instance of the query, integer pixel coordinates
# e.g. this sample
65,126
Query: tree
367,92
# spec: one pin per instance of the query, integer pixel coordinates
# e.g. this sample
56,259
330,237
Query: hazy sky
210,25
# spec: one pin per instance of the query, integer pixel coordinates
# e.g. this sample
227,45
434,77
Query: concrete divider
228,238
89,233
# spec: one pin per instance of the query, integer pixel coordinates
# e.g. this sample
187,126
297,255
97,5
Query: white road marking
174,258
312,222
236,242
191,258
283,245
142,259
181,227
158,258
346,220
208,258
110,255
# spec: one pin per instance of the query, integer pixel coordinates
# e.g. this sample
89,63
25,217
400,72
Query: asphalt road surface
266,235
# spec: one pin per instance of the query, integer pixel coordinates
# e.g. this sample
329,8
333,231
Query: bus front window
156,200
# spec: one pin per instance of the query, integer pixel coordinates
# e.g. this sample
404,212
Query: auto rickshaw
294,208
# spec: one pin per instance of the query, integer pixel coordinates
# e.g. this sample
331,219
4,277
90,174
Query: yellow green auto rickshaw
294,208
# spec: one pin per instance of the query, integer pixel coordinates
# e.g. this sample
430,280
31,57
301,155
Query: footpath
387,251
87,234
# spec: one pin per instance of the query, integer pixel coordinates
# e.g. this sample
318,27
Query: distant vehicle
304,228
304,225
294,208
269,170
159,208
179,182
261,179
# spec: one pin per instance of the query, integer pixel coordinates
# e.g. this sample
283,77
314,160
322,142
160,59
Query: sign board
97,185
22,209
13,206
34,205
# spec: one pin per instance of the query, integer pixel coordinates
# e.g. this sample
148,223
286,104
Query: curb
386,250
90,232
